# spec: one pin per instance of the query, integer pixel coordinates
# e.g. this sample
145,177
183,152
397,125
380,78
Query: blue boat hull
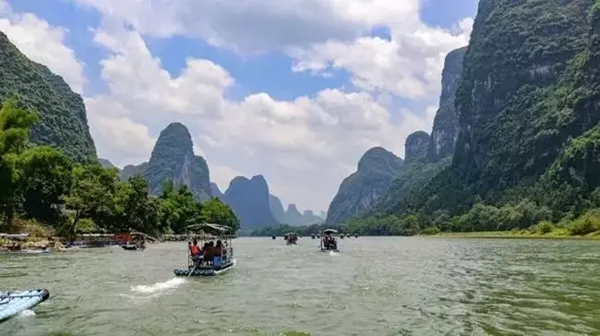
204,271
12,304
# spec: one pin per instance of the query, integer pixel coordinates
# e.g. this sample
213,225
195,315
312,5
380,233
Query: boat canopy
17,236
330,231
209,230
135,233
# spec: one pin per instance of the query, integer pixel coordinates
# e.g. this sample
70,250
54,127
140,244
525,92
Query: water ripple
374,286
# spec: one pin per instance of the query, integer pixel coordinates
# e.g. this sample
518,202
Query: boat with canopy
328,243
137,241
291,238
209,252
19,244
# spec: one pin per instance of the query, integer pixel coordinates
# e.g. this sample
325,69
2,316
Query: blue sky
378,92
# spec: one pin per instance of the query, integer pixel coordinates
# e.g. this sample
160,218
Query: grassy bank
585,226
522,234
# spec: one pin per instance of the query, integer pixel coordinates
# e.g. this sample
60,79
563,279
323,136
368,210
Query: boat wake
159,286
27,313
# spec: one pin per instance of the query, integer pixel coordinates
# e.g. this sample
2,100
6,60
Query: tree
178,209
46,179
139,210
15,124
217,212
93,194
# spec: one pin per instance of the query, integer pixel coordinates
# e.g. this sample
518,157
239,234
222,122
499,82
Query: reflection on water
374,286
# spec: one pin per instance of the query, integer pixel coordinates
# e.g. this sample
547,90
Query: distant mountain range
383,180
173,159
243,193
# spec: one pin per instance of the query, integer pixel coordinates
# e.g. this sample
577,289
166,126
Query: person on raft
329,243
195,251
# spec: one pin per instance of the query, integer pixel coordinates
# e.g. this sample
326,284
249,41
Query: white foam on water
331,253
159,286
27,313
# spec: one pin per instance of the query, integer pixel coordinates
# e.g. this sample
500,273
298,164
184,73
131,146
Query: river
374,286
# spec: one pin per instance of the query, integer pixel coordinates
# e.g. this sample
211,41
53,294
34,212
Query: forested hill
527,153
527,107
362,189
62,115
173,159
249,199
427,156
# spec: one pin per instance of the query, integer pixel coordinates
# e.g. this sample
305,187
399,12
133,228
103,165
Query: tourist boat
60,247
328,243
208,264
26,251
291,238
136,240
13,303
17,245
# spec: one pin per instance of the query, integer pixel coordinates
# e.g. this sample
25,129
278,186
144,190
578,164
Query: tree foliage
42,183
46,178
15,124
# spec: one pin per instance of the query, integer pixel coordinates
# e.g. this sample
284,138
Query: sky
294,90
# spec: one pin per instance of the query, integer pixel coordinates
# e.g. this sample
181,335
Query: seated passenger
218,248
209,252
195,250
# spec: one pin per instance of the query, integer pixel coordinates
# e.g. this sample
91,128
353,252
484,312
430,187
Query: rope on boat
193,269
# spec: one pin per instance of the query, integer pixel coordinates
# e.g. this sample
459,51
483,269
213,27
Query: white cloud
43,43
127,138
319,34
408,65
255,25
303,147
222,175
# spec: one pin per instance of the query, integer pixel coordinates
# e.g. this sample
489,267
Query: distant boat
328,243
291,238
16,236
26,251
137,241
274,237
13,303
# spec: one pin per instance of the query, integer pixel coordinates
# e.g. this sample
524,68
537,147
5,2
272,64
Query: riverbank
516,235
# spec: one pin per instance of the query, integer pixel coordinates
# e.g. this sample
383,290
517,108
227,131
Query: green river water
374,286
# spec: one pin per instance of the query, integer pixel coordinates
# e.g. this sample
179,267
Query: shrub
543,227
430,231
587,223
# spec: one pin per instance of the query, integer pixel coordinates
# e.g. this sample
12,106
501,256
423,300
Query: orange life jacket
195,249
